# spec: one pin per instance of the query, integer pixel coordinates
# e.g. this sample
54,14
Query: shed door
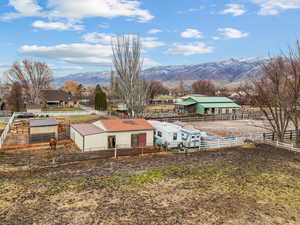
142,139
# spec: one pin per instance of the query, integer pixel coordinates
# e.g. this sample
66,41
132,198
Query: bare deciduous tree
15,98
277,92
33,77
270,93
128,66
204,87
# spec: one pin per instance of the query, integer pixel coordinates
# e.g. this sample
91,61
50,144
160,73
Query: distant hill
224,72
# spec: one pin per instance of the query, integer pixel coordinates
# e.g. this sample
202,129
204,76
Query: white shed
88,137
110,134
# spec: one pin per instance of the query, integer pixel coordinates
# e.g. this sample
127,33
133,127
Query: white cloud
23,8
234,9
216,38
77,53
65,68
231,33
154,31
95,37
191,33
274,7
150,63
151,42
79,9
56,26
190,49
76,10
103,38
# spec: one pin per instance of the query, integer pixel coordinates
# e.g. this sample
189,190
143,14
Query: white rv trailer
176,136
167,134
191,137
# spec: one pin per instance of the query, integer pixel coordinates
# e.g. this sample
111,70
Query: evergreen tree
100,99
98,93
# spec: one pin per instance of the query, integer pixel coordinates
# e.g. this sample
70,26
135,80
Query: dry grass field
253,186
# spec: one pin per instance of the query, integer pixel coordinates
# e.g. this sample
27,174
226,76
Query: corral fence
288,135
215,143
195,118
68,113
210,118
6,130
278,144
60,156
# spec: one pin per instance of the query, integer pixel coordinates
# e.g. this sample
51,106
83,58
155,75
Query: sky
75,35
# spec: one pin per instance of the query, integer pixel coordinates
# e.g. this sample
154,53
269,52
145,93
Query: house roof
117,125
210,102
57,95
43,123
211,99
87,129
33,106
220,105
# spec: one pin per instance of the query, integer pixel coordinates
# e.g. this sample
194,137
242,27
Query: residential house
57,98
208,105
114,133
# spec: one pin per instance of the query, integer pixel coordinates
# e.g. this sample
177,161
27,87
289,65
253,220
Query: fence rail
196,118
58,157
279,144
6,130
221,143
288,135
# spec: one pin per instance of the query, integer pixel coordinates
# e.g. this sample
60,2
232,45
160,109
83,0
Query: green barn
208,105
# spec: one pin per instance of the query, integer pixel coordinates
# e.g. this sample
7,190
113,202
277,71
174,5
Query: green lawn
257,186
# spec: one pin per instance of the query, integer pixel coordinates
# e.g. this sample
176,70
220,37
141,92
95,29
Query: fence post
115,152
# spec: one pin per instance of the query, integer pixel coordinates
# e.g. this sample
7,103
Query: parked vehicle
25,115
167,134
191,137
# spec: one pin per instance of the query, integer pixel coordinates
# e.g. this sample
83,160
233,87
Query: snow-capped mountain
222,72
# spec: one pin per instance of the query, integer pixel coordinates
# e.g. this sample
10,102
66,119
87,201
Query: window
174,136
159,134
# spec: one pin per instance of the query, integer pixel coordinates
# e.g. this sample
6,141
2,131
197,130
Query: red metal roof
87,129
116,125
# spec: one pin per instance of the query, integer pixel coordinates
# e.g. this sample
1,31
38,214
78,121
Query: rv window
174,136
193,136
159,134
198,137
154,132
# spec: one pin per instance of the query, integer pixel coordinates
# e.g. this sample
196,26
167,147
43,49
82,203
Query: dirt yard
82,118
258,186
227,128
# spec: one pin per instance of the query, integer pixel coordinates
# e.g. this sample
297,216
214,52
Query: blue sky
74,35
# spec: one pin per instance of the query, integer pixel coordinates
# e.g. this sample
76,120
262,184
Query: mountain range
223,72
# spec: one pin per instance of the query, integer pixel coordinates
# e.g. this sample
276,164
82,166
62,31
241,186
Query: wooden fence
60,156
209,117
288,135
6,130
278,144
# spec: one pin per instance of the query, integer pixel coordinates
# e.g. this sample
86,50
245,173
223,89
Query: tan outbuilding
110,134
43,130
